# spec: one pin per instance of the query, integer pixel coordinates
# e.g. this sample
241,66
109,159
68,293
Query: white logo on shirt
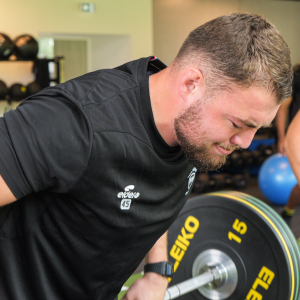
127,196
191,178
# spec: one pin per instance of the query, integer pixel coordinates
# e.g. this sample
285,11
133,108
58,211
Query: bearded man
101,165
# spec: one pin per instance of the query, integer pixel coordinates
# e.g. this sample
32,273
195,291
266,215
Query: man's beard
199,154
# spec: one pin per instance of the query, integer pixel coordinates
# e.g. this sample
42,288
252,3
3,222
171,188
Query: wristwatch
164,268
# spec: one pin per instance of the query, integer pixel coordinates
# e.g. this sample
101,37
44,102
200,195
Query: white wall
108,51
285,15
112,17
130,18
103,51
174,19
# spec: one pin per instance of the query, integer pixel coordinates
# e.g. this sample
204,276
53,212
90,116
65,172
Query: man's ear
192,84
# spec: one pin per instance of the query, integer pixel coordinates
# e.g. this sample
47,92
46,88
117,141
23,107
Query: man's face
217,124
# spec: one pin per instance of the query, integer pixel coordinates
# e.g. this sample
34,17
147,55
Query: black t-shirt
97,186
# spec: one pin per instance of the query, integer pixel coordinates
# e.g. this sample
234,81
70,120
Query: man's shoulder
94,87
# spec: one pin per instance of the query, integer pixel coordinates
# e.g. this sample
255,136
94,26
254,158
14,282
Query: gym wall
174,19
40,18
130,17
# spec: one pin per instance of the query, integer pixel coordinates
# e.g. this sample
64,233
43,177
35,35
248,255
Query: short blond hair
241,48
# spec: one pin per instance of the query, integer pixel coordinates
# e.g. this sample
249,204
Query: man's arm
159,250
152,286
6,196
292,145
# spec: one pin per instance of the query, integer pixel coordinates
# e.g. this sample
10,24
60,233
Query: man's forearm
151,285
6,196
159,251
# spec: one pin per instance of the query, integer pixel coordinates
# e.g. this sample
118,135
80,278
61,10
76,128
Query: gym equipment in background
229,245
207,183
276,179
6,46
245,158
3,90
33,88
26,47
17,92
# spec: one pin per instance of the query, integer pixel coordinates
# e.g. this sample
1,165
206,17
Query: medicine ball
33,88
17,92
26,47
6,46
276,179
3,90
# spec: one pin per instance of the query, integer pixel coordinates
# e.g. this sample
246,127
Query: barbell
229,245
213,275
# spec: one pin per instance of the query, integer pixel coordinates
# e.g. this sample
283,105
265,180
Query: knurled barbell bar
189,285
229,245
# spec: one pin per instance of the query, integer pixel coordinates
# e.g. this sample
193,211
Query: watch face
169,270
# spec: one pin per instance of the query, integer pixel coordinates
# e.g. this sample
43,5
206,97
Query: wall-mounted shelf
41,69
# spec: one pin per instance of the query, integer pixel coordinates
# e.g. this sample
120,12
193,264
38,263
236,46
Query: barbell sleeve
189,285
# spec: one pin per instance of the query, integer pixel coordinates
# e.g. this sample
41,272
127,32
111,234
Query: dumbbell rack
55,60
8,103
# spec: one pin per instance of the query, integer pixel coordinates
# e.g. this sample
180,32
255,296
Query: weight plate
285,231
263,256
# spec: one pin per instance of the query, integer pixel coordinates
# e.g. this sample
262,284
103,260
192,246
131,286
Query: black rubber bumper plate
252,234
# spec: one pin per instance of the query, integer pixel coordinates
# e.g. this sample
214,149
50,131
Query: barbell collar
213,274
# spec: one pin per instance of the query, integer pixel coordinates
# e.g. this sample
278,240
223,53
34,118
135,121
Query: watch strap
164,268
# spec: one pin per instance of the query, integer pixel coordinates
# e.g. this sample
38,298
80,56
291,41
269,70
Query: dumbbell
33,88
247,158
241,159
236,159
262,153
205,183
237,181
3,90
200,184
258,158
267,150
17,92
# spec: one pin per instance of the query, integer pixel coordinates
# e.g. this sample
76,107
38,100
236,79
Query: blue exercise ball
276,179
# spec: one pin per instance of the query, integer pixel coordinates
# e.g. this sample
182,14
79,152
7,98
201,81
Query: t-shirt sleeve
44,144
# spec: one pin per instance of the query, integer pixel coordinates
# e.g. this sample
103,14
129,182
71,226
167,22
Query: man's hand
150,287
